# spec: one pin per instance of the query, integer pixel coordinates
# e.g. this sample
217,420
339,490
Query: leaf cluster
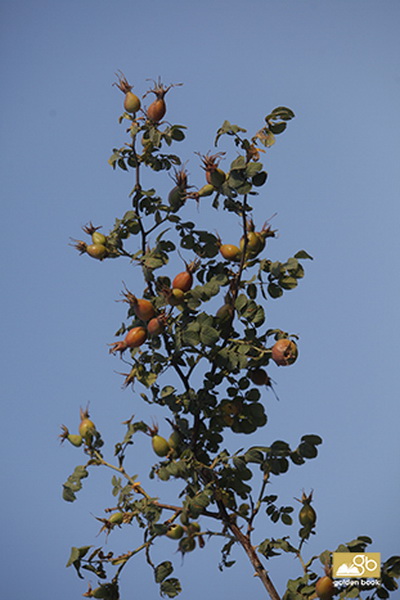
200,366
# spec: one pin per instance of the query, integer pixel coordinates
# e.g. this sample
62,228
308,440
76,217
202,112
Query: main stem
245,542
260,571
243,539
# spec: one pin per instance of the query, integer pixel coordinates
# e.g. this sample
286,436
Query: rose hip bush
198,349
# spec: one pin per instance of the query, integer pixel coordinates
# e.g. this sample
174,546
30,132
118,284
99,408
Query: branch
258,505
237,280
244,540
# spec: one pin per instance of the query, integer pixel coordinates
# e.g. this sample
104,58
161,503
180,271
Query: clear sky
335,186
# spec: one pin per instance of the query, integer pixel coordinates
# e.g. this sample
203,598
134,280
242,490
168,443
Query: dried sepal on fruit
157,325
159,444
253,153
266,231
284,352
184,280
206,190
143,309
115,519
214,175
177,196
129,378
157,109
86,427
307,515
131,101
253,241
74,438
98,251
133,339
97,237
79,245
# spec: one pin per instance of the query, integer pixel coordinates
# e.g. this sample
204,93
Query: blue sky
334,184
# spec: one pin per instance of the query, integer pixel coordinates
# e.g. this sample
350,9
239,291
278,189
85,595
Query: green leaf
252,311
359,544
292,264
253,395
259,317
167,390
229,129
188,242
146,378
307,450
281,112
303,254
73,483
107,591
132,162
244,188
191,337
75,558
392,566
325,557
280,448
312,439
236,179
121,164
113,159
68,495
296,458
162,571
270,498
253,168
389,583
99,571
276,268
244,383
252,291
277,128
238,164
241,302
288,283
365,538
254,456
269,139
77,554
177,134
170,587
259,179
209,336
279,465
274,290
81,472
286,519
